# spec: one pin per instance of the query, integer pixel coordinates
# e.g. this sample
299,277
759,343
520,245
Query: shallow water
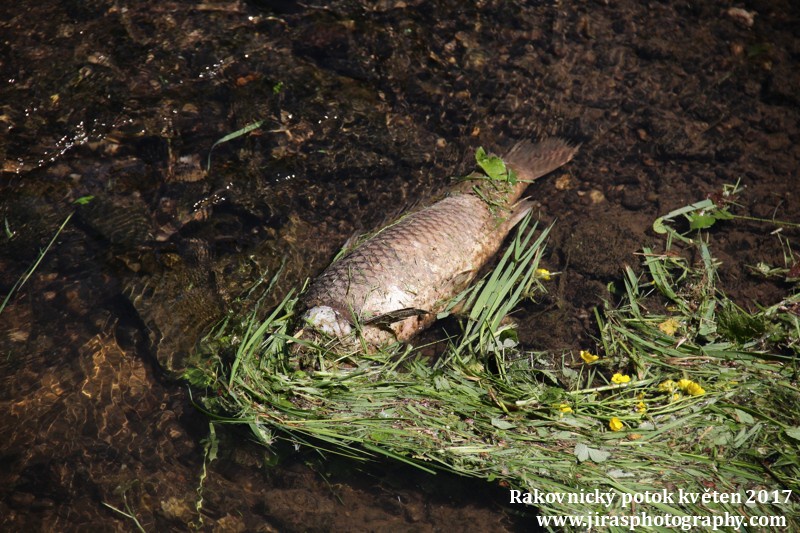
368,108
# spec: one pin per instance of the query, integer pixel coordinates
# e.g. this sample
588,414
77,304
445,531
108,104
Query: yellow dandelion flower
683,383
620,378
588,356
543,273
676,397
666,386
641,407
565,408
669,326
615,424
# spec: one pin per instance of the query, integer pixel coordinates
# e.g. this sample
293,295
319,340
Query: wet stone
634,198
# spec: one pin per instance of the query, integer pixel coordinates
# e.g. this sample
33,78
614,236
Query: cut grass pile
689,393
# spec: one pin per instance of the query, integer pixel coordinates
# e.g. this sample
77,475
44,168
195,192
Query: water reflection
98,434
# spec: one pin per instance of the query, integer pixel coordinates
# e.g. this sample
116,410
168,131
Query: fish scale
409,270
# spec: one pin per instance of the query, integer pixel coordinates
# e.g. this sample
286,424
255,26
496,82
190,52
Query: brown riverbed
368,108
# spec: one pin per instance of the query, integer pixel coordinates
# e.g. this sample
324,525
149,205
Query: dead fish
392,286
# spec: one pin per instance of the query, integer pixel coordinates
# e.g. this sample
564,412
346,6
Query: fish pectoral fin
394,316
518,211
462,280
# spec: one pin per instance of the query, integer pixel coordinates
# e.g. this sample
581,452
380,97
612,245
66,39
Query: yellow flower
641,408
588,356
565,408
542,273
669,326
676,397
690,387
615,424
695,389
667,386
620,378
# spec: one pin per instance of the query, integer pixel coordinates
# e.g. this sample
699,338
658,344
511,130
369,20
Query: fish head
328,320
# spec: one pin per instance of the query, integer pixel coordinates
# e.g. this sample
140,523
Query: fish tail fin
531,161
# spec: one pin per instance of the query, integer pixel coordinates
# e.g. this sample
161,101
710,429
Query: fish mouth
327,320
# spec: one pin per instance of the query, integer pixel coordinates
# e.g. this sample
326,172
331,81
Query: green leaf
494,167
793,432
598,456
581,452
229,137
441,383
659,226
706,219
211,443
701,221
83,200
569,373
381,436
585,453
502,424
